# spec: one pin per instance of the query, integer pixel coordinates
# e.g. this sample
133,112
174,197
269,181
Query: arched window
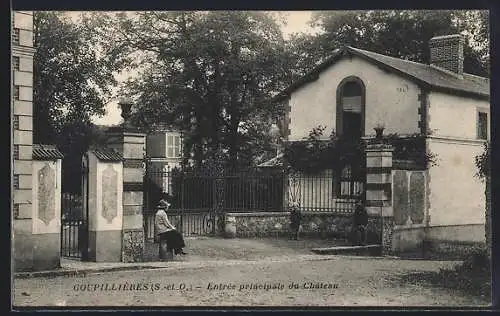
351,108
350,123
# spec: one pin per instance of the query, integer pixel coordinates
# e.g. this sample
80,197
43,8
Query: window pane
170,152
177,141
177,152
170,140
351,89
351,125
351,104
482,126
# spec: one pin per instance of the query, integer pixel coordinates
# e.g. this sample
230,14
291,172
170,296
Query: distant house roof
431,77
107,154
46,152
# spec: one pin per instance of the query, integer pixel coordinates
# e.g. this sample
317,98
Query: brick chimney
447,52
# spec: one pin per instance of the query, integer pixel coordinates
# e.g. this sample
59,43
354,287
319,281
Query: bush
477,262
472,276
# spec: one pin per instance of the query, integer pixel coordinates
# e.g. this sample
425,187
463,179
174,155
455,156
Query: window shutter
352,104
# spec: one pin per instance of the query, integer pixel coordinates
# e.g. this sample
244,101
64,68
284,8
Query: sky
296,23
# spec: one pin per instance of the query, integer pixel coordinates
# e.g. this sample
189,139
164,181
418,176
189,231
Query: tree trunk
233,140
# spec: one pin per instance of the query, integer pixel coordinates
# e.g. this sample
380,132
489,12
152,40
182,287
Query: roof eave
421,82
46,157
43,152
462,93
313,75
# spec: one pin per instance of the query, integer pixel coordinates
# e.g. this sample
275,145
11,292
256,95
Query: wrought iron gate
200,198
331,191
193,198
74,220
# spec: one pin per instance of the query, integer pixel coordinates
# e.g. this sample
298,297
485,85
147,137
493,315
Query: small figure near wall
360,221
295,219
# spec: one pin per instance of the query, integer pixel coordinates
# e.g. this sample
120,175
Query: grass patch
471,277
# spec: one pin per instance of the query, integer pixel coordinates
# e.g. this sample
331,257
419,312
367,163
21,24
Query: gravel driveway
339,281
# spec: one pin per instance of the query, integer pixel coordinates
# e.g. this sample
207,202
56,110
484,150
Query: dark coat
295,217
360,216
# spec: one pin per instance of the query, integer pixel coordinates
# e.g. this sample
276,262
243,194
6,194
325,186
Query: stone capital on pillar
379,148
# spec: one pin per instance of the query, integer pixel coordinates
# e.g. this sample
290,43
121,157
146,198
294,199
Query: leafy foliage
210,74
403,34
72,83
483,162
410,147
316,153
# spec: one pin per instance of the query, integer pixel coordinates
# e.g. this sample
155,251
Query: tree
211,74
72,81
402,34
483,172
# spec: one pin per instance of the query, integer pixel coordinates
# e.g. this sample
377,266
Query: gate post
130,142
46,213
104,212
379,193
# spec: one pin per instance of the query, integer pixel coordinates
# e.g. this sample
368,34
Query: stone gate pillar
46,190
103,200
131,143
379,193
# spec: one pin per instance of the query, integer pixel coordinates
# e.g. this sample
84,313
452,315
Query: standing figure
360,221
168,236
295,219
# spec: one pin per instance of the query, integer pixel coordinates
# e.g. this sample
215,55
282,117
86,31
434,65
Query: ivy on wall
410,147
316,153
483,162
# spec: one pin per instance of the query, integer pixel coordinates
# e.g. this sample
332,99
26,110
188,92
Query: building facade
22,135
164,153
355,91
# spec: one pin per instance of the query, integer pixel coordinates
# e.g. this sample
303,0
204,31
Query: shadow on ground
214,248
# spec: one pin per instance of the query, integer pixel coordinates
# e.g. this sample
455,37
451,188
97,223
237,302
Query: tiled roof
434,76
428,76
107,154
46,152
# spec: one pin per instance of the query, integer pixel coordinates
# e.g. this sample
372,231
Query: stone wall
261,224
133,246
277,224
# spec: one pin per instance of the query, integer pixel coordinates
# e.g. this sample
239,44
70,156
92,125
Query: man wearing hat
168,236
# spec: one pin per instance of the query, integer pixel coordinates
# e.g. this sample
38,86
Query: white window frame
173,146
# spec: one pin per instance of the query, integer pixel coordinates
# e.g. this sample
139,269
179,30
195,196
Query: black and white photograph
223,158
